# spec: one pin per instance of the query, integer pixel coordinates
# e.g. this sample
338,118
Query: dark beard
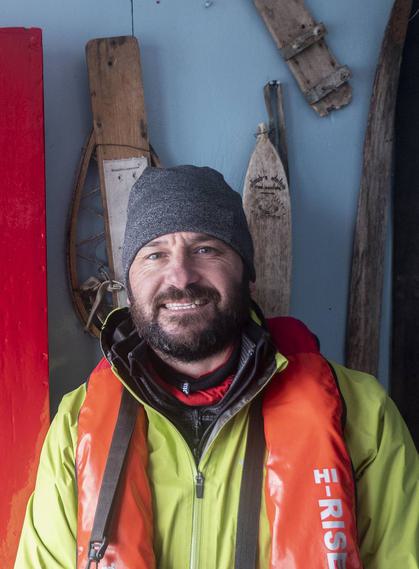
224,327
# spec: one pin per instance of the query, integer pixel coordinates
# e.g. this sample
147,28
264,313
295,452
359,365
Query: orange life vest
309,486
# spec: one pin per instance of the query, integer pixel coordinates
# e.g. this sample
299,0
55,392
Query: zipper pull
199,485
186,388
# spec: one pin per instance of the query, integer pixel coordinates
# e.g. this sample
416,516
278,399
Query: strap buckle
97,549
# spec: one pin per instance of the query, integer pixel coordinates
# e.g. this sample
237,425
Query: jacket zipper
207,442
196,519
199,485
198,476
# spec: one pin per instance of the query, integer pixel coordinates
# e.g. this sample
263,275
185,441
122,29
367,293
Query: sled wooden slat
24,401
120,176
364,312
323,81
119,121
80,307
266,202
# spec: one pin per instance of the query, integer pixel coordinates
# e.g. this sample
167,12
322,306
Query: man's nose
181,272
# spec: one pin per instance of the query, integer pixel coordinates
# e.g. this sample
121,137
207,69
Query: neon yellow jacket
386,469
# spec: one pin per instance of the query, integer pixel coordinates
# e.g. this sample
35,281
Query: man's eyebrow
155,243
204,239
193,241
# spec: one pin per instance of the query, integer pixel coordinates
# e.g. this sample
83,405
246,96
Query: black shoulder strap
251,491
114,464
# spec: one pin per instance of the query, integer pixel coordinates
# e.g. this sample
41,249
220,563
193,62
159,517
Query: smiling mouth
185,305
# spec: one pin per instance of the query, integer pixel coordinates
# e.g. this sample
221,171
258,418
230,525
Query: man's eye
204,250
154,256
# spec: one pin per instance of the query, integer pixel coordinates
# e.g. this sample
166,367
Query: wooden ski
120,127
266,202
300,40
404,377
24,402
365,295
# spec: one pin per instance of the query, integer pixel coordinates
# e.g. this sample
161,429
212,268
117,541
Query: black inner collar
120,341
189,384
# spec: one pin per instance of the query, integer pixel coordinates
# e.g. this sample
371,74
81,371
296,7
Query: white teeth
183,306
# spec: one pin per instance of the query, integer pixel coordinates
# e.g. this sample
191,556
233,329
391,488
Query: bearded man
207,437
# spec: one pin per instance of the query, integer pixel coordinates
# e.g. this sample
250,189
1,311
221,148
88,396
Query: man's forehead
188,237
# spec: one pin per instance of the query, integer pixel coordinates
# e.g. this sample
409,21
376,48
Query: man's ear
129,290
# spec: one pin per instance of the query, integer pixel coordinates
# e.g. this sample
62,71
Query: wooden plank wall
24,403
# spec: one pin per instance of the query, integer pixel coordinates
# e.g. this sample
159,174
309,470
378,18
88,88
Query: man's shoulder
364,397
358,387
72,401
64,424
360,390
373,423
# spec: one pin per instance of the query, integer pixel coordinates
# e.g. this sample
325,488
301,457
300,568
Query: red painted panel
23,300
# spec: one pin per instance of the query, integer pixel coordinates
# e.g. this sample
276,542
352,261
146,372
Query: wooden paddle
365,295
266,201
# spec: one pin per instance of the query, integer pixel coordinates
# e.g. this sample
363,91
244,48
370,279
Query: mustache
191,293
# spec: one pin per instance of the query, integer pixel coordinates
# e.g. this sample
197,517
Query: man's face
188,295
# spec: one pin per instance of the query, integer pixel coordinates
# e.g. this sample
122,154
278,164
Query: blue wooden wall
204,69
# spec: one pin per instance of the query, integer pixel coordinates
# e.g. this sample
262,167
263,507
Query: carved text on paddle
266,200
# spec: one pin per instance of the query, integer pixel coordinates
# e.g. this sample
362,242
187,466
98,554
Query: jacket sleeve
48,539
386,468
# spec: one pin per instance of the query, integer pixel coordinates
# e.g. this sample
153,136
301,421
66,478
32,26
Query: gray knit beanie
185,198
